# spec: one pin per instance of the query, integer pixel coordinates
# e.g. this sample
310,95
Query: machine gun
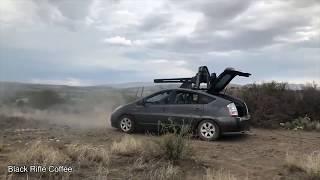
213,83
203,76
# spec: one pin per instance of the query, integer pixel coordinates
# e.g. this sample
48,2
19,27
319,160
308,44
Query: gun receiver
202,76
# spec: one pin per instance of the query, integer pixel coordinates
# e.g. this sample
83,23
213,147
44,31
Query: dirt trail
259,155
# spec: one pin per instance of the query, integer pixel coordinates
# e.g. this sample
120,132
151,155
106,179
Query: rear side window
191,98
203,99
182,97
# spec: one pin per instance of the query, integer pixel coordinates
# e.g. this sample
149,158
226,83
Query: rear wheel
208,130
126,124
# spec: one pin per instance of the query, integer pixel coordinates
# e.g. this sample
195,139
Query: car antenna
137,92
142,91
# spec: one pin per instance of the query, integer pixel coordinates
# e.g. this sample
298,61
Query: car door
184,109
151,111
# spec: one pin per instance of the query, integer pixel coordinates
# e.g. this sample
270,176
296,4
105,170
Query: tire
208,130
126,124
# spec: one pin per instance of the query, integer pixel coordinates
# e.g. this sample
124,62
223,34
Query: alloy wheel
125,124
208,130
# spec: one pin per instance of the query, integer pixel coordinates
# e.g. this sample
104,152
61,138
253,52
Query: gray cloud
72,9
220,10
91,40
221,29
155,22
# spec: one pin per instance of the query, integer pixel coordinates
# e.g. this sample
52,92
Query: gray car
210,114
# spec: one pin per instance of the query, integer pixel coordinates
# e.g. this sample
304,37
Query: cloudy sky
88,42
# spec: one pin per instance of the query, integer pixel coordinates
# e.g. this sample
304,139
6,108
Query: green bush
310,101
273,103
270,103
302,123
175,145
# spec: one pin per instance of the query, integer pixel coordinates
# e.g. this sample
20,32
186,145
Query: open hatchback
219,83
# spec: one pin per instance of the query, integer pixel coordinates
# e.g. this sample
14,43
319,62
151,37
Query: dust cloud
98,118
88,110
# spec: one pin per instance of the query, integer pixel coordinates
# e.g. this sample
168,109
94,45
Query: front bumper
114,118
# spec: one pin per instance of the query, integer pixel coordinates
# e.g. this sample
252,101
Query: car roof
188,90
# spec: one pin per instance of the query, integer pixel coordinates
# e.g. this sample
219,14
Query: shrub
303,123
45,99
127,146
273,103
310,101
309,163
269,103
175,146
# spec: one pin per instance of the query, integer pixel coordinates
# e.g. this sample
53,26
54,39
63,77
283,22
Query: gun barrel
173,80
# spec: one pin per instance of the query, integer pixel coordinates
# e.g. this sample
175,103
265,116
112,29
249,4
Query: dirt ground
258,155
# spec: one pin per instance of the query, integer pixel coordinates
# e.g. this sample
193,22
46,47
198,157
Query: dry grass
293,161
164,172
149,158
101,173
39,153
219,175
309,163
1,144
127,146
87,153
140,164
171,146
318,126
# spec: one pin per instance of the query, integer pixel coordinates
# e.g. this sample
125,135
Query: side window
160,98
186,98
179,98
191,98
203,99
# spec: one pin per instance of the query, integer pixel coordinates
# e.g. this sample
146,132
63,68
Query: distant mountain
296,86
12,87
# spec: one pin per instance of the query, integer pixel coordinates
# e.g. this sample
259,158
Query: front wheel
126,124
208,130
